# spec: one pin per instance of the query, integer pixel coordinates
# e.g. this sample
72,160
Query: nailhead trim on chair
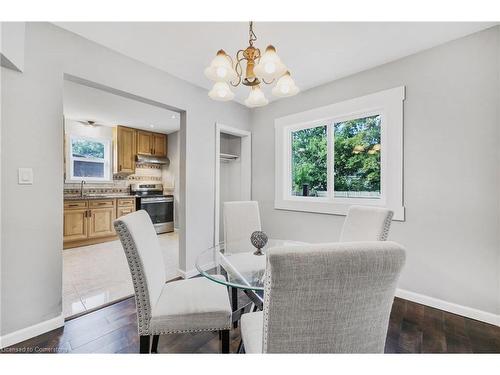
387,226
140,286
155,332
267,297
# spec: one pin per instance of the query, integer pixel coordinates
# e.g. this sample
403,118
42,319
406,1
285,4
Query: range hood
149,159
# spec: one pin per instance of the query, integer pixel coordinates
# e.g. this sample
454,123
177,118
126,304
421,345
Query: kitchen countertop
103,196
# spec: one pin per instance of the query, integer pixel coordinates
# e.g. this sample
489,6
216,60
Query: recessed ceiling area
315,52
83,103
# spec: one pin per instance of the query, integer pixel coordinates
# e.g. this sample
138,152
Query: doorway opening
233,171
119,151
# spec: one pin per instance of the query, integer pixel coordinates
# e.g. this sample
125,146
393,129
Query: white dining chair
325,298
184,306
366,223
241,219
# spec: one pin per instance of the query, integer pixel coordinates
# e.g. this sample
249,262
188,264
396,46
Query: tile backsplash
120,184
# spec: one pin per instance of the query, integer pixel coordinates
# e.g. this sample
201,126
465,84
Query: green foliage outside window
309,160
87,148
356,157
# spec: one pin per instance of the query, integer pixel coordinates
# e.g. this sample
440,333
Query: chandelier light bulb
221,72
270,66
221,91
285,86
221,68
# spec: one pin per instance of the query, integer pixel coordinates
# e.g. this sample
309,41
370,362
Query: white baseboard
454,308
32,331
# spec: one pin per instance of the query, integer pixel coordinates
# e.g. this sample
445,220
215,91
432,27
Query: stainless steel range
160,207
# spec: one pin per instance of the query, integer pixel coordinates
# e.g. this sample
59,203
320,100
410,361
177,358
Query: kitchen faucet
81,188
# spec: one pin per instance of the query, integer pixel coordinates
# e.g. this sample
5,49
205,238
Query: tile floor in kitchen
97,275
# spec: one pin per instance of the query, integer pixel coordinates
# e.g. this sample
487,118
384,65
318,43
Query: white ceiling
83,103
314,52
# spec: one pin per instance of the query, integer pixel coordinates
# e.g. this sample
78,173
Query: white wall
12,45
451,168
32,136
171,176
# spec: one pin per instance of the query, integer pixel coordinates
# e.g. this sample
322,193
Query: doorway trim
246,168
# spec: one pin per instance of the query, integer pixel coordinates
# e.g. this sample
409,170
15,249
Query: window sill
322,206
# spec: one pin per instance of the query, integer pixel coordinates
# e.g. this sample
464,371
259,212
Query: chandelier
260,68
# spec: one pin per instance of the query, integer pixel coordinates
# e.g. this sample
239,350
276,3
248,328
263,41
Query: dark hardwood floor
413,328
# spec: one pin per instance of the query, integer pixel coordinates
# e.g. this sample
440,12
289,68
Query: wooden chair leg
144,345
225,341
154,349
234,302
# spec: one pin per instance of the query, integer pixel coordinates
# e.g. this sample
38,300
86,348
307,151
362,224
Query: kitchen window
88,159
347,153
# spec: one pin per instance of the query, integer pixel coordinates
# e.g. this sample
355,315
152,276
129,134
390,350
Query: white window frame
389,105
108,173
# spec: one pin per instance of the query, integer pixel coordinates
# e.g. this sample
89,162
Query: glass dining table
240,268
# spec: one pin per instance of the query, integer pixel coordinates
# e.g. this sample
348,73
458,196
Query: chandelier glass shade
221,92
250,68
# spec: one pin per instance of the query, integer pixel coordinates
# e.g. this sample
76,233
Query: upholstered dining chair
241,219
325,298
192,305
366,223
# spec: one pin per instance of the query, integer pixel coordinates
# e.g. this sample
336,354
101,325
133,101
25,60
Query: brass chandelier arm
268,83
238,68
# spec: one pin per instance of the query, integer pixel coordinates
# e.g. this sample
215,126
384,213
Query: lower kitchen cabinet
101,222
90,221
75,224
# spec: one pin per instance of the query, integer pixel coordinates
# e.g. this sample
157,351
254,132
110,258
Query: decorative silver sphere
259,240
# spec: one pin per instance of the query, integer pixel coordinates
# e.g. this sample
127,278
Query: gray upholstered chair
366,223
241,219
325,298
191,305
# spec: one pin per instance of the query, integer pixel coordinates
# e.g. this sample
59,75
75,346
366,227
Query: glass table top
237,266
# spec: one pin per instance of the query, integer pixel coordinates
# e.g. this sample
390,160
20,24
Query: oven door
161,211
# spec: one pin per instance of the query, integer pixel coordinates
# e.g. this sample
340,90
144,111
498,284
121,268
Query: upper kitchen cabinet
124,149
144,142
149,143
159,144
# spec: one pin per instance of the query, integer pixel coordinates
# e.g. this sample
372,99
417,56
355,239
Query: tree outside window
356,159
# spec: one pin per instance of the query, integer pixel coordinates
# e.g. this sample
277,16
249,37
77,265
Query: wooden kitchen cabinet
75,224
144,142
149,143
125,206
90,221
159,144
124,150
100,222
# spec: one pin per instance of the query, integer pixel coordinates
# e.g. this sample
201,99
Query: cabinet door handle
88,213
73,205
120,167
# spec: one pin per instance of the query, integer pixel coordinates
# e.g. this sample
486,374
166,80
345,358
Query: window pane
88,169
85,148
357,158
309,158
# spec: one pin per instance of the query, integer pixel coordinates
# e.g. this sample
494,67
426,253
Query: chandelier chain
251,37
